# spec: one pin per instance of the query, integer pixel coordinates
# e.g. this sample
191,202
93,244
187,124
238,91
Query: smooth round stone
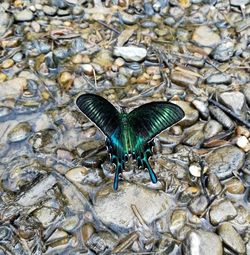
7,63
205,36
219,78
24,15
199,242
243,143
223,211
223,161
234,100
198,205
169,21
212,128
224,51
150,204
20,132
234,186
232,238
18,57
49,10
131,53
4,21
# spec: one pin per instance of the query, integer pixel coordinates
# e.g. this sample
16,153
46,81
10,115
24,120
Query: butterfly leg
147,154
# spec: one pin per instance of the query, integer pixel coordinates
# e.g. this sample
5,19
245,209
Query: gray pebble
234,100
24,15
222,211
224,160
224,51
131,53
199,242
219,78
49,10
232,238
198,205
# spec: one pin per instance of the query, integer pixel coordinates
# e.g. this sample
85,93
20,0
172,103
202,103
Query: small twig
107,26
232,114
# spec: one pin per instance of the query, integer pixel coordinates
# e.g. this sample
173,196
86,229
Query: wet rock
212,128
183,79
223,161
219,78
239,2
20,132
205,36
101,242
4,22
224,51
214,185
246,92
198,205
49,10
13,88
131,53
221,117
24,15
222,211
234,186
151,205
233,100
191,114
231,238
197,243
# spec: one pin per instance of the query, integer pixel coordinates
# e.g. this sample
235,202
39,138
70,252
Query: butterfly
129,134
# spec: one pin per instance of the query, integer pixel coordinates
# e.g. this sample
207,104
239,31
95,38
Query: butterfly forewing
99,111
150,119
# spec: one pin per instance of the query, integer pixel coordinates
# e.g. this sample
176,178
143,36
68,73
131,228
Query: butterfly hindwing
150,119
99,111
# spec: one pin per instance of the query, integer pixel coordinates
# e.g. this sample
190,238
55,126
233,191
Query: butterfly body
129,134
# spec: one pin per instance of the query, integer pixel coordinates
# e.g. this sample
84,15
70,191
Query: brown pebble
87,231
234,186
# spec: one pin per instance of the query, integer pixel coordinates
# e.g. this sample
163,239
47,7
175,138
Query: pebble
225,160
221,117
88,69
198,205
7,63
4,22
49,10
150,204
219,78
223,211
13,88
239,2
131,53
243,143
183,79
177,221
233,100
3,77
205,36
234,186
224,51
191,114
212,128
24,15
246,92
200,242
20,132
231,238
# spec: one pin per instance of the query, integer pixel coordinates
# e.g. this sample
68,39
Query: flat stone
131,53
199,242
114,207
24,15
232,238
239,2
205,36
222,211
12,88
224,160
219,78
183,79
234,100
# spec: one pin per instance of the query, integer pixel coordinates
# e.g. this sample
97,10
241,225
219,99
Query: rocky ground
55,175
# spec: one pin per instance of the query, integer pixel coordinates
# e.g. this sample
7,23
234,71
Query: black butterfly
129,133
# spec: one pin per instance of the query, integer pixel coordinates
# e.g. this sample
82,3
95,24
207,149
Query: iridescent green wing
107,119
99,111
145,123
